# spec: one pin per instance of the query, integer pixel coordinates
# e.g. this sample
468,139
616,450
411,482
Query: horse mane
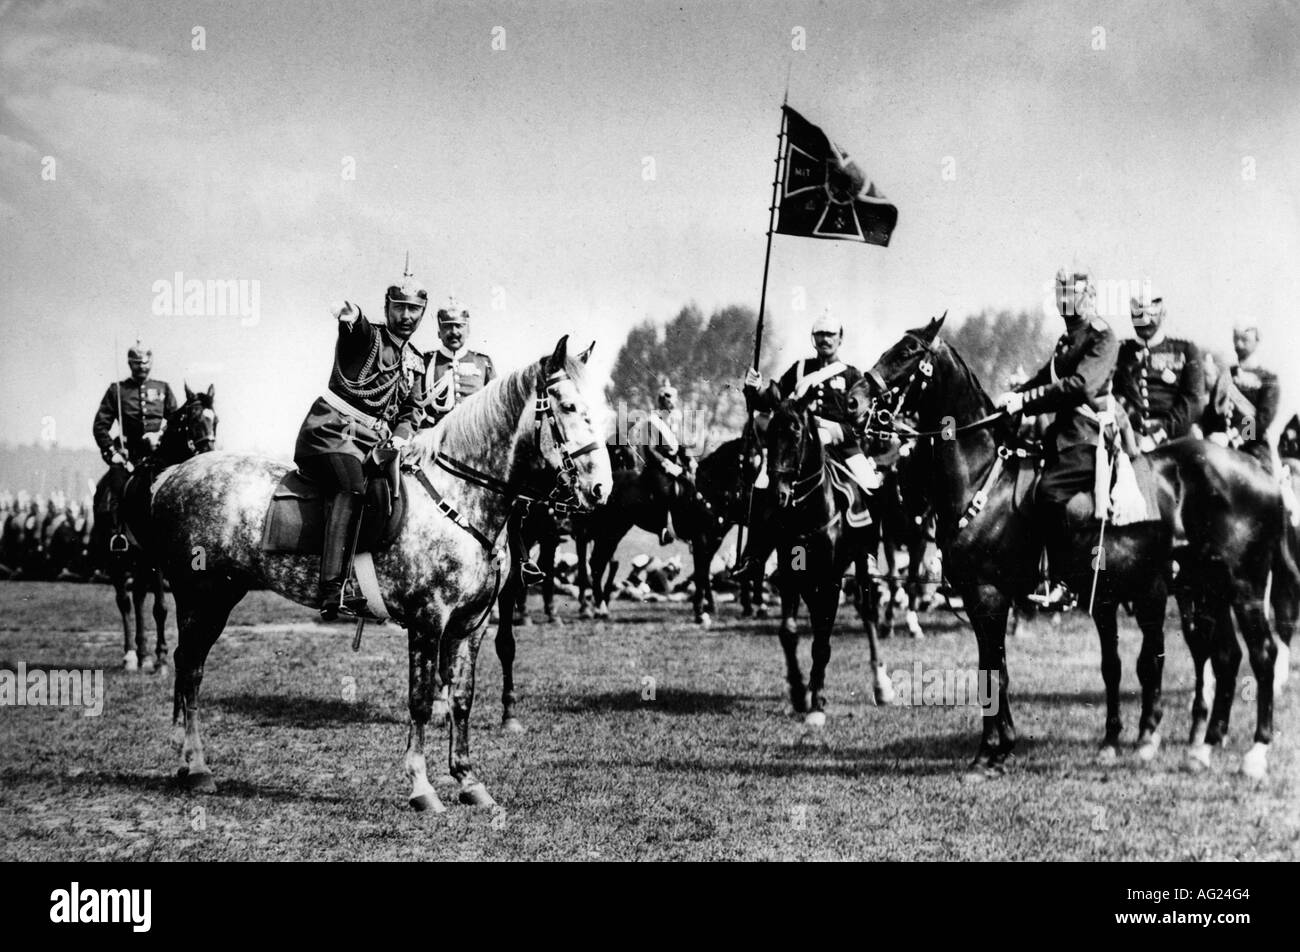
1003,429
478,418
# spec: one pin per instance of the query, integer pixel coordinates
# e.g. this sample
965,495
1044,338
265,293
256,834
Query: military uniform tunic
1246,402
830,394
1074,385
145,408
1161,385
375,390
452,376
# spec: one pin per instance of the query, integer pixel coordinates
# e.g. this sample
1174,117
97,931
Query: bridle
563,494
887,420
802,488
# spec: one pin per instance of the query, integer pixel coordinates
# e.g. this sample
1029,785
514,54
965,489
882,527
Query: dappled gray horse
527,435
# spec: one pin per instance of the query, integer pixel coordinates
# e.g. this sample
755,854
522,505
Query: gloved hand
1146,444
1220,438
753,380
153,439
1011,401
830,431
345,311
117,459
672,469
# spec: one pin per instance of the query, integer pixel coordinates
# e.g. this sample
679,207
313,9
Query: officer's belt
347,409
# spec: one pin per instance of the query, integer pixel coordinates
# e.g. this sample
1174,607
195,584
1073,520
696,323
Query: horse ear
212,389
932,329
587,353
189,394
559,356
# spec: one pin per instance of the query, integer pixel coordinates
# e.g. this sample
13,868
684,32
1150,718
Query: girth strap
448,509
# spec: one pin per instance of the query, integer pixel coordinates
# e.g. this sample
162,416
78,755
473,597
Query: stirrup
666,536
741,569
531,574
118,542
1059,598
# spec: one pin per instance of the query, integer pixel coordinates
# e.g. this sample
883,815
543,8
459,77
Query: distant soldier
139,405
1244,403
374,397
454,372
668,468
1159,381
1075,385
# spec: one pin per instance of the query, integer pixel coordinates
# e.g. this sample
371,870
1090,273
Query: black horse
191,428
1230,510
816,544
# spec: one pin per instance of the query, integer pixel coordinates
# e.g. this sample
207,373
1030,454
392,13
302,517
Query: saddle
296,516
848,495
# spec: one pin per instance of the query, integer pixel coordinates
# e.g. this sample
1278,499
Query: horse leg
883,688
464,658
505,645
789,636
160,619
1104,616
913,589
1225,659
201,614
822,608
1263,653
130,660
702,551
139,592
602,551
1150,611
546,562
1198,626
422,648
584,575
988,609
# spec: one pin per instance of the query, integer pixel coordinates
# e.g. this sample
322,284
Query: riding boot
1059,597
336,560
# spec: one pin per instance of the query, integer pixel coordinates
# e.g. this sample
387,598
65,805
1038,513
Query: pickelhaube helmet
666,389
1075,292
1147,305
409,290
453,313
825,324
139,351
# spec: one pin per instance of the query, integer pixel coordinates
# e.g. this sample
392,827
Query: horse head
197,421
569,446
794,450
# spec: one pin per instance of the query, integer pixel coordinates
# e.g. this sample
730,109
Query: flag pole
762,304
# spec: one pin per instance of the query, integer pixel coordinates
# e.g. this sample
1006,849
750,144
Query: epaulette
1099,324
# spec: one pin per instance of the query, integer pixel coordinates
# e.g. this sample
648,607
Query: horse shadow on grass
665,701
164,784
300,711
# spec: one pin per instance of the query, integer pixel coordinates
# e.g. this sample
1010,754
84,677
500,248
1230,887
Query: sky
607,163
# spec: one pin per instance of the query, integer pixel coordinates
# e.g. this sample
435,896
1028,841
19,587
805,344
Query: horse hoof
705,620
511,725
815,719
789,626
1108,755
601,612
148,665
1148,749
1255,764
476,795
914,625
129,661
584,612
427,802
1198,758
201,782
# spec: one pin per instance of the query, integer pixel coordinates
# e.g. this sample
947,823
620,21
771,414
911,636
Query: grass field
305,739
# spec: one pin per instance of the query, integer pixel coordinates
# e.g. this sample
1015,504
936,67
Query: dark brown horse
815,546
134,571
1230,509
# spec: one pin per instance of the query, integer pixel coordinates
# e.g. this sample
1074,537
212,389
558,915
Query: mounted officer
454,372
1159,380
668,468
139,405
1244,403
829,381
1075,385
374,398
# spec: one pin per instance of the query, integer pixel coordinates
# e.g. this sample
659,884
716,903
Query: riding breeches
337,470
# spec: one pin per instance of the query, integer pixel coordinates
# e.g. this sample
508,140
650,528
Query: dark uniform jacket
451,378
1246,402
1074,384
830,397
1161,386
375,391
145,408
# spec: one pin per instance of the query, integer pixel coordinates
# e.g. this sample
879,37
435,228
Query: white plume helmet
825,324
1147,305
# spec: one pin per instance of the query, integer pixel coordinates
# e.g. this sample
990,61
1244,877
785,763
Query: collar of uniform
452,354
1250,363
1158,338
